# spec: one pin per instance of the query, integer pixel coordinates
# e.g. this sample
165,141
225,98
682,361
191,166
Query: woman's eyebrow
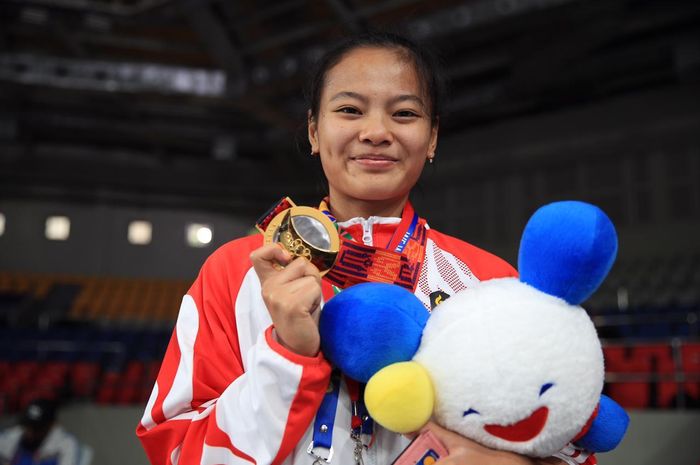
349,94
407,98
362,98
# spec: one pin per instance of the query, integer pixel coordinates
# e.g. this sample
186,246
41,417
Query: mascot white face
523,355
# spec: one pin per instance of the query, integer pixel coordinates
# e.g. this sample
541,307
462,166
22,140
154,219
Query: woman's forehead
372,71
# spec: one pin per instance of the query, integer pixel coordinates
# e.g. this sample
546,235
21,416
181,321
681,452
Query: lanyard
407,235
399,263
325,418
404,239
361,423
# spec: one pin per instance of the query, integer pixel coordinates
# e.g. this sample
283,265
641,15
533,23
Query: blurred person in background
38,439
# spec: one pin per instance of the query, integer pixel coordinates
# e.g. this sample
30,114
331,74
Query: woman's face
373,130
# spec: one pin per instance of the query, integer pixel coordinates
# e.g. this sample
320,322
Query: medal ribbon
399,263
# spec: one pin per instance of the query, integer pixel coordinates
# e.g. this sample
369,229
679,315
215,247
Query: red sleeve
214,403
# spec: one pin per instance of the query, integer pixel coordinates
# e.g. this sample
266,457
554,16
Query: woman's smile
374,161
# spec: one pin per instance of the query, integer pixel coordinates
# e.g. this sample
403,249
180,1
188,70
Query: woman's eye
406,114
348,110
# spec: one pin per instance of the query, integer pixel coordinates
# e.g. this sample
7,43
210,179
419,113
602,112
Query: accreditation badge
303,232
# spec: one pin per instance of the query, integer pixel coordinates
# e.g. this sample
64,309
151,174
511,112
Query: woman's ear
313,133
432,146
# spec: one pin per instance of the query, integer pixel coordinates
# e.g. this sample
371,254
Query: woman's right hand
463,451
292,294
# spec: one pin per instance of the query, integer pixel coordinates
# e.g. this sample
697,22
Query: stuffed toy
513,363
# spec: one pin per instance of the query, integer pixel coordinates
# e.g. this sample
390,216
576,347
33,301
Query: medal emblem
303,232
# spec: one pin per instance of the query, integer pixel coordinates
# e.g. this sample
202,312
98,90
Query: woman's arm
214,404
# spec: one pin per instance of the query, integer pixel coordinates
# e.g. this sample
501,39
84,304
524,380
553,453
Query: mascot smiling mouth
522,431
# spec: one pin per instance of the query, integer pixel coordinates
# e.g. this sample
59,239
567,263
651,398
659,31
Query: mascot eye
545,388
469,412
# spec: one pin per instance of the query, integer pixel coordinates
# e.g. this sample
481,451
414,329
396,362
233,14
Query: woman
243,376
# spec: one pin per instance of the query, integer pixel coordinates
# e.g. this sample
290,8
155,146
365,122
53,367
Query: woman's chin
380,189
381,195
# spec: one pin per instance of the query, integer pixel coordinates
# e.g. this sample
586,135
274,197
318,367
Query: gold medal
303,232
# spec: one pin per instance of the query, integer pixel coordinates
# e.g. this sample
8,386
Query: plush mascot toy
514,364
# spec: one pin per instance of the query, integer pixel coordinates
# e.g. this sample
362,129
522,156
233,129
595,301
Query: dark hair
39,413
426,65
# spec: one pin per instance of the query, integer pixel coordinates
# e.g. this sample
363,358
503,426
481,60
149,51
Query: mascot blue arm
369,326
608,427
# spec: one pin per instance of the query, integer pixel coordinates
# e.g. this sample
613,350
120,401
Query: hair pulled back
424,62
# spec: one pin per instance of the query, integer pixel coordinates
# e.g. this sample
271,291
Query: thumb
448,438
454,443
268,259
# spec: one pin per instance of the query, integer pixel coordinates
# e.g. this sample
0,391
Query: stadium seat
646,362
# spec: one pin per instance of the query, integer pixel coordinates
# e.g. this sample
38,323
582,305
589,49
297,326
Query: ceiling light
140,232
199,235
57,228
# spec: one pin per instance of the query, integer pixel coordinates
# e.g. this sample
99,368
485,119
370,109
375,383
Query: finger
450,460
271,253
298,268
467,451
311,270
450,439
294,299
303,295
305,285
266,260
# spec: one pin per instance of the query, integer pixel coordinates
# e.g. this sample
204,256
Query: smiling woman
373,131
244,380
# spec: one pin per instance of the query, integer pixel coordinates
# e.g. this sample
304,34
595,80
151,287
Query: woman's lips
374,161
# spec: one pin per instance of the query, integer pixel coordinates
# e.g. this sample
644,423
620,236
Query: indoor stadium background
136,136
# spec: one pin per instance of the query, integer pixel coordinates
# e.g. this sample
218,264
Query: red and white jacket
229,393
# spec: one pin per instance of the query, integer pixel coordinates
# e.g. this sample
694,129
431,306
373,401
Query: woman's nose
376,131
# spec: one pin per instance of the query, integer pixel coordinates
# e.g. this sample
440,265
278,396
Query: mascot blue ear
369,326
567,249
607,429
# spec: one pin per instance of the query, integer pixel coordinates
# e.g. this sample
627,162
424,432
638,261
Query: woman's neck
345,208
